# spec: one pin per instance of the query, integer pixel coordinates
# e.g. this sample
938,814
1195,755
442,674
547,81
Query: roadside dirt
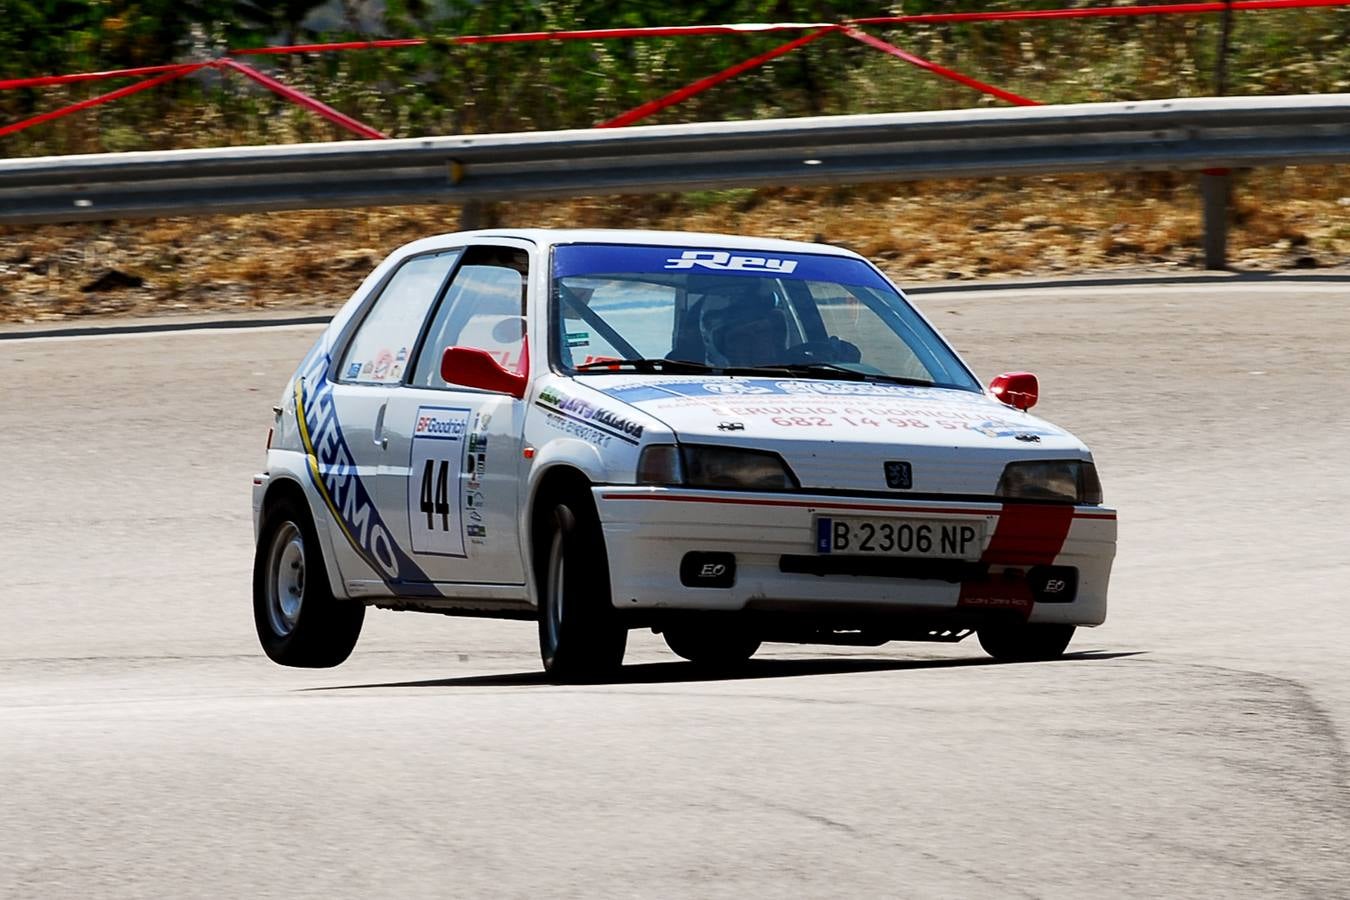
918,232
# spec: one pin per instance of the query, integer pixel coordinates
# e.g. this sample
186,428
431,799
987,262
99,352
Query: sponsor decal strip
579,410
588,422
333,469
603,259
577,430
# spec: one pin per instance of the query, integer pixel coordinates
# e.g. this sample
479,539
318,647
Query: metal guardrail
1183,134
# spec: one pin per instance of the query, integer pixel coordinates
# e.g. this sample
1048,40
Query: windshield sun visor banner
611,259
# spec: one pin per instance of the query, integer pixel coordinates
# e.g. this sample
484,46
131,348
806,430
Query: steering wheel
829,350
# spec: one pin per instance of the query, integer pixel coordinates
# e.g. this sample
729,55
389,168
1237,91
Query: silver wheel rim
553,600
286,579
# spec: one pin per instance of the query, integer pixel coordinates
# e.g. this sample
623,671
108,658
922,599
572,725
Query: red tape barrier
582,34
169,72
302,99
600,34
48,80
297,97
1098,12
118,94
943,71
697,30
698,87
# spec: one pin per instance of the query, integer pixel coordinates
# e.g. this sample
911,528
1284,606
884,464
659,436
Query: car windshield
682,310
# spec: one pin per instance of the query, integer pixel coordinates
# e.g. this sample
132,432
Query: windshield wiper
675,366
829,369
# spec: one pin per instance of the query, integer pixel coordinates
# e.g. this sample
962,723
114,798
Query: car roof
553,236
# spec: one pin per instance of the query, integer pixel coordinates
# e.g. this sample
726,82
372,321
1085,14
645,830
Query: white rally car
724,439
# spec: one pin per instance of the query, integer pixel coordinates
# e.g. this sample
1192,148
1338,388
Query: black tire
1025,643
300,623
711,644
581,638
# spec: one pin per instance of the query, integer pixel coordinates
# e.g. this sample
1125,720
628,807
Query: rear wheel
1025,643
299,621
580,636
711,644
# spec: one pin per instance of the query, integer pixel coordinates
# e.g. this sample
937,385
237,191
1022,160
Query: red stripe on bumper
1027,535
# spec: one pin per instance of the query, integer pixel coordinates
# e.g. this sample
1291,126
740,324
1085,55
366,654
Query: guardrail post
1216,186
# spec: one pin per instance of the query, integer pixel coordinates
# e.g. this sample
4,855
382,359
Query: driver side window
483,308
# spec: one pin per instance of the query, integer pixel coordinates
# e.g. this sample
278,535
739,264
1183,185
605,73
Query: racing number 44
435,474
436,497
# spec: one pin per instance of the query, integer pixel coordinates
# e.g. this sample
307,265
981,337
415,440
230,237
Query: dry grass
917,231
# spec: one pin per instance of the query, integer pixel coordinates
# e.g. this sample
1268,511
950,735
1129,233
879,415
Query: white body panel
357,454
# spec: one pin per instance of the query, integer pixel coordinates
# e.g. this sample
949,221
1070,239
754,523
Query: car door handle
378,437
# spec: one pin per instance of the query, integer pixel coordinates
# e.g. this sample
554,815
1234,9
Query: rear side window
483,308
379,351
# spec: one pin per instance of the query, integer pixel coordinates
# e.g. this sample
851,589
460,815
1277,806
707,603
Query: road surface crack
947,865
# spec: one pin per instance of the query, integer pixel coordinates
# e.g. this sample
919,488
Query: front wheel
580,637
299,621
1025,643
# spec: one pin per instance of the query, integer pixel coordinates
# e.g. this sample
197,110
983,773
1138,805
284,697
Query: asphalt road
1192,746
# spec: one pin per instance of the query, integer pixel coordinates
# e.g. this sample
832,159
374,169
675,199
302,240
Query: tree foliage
446,88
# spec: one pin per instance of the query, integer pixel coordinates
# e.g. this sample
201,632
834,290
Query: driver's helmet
742,327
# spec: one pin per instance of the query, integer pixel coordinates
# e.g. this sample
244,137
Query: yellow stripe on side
313,459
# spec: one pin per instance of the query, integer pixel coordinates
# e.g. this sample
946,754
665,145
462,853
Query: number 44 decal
435,496
436,501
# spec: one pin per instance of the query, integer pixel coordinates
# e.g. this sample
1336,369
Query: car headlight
707,466
1065,480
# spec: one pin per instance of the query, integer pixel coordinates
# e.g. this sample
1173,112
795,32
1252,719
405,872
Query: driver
742,328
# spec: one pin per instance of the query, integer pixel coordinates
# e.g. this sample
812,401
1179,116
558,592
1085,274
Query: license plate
927,538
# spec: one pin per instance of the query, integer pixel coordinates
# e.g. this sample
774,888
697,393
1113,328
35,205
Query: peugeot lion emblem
899,475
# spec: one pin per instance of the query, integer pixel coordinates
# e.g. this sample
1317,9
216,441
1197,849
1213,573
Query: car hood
838,435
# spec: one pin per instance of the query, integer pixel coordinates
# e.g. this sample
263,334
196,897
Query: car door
453,456
351,405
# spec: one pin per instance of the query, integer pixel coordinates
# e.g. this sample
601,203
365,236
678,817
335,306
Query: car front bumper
649,531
